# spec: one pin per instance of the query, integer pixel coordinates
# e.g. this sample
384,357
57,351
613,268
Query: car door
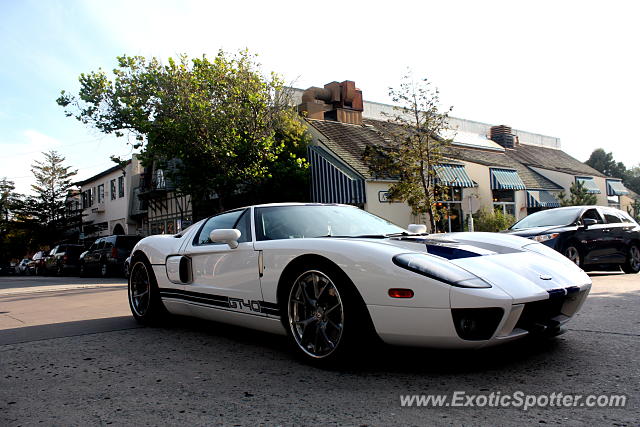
221,276
92,259
617,231
593,239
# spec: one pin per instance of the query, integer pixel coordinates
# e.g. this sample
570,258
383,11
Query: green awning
589,183
616,188
506,179
453,176
541,199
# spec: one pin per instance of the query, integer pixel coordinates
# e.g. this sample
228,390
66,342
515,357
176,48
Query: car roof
268,205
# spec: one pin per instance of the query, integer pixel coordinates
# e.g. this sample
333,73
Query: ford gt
332,276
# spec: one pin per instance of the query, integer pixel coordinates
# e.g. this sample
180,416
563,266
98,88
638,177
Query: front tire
575,256
324,316
632,264
144,296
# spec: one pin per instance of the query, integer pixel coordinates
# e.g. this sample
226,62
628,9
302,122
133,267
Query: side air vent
179,269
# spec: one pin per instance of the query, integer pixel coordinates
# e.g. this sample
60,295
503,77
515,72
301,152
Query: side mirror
588,222
417,228
229,236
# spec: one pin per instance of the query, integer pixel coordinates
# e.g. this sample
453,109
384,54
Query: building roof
101,174
552,159
348,142
530,178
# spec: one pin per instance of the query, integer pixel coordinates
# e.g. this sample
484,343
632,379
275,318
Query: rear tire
325,318
144,296
632,264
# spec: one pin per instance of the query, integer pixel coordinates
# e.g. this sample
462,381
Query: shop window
504,200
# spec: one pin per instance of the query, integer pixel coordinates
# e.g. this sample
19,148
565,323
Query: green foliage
20,231
604,162
634,210
226,123
415,147
578,196
53,181
492,220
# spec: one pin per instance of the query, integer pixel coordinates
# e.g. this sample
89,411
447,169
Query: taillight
114,253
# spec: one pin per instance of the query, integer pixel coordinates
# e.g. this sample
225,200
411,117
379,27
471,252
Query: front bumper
435,327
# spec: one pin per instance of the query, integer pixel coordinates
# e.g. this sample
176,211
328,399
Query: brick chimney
340,102
502,135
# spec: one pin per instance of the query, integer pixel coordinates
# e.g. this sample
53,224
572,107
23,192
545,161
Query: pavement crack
606,332
15,318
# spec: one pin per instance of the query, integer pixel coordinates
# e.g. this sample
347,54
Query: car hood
521,268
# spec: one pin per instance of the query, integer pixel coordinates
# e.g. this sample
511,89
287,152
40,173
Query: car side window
593,214
108,244
611,217
623,217
225,220
100,245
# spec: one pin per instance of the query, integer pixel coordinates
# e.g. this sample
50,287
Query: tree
53,181
415,147
604,162
578,196
223,121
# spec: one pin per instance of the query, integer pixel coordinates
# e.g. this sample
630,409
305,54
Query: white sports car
330,276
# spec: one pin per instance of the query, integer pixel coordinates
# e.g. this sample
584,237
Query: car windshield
305,221
548,218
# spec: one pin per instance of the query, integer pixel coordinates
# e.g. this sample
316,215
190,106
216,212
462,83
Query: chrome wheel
103,270
140,289
572,253
316,314
634,257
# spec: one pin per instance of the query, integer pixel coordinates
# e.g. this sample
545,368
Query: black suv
62,259
594,237
107,255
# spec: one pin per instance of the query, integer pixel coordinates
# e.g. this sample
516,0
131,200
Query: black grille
538,316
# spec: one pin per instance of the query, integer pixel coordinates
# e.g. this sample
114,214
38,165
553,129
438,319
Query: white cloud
38,141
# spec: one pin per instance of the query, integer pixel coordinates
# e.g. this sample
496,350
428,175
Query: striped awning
331,182
453,176
616,188
541,199
589,183
506,179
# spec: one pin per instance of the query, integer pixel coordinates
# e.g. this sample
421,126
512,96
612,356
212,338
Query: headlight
439,269
544,237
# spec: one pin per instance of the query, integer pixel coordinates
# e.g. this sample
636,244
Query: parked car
7,268
593,237
333,277
22,267
36,265
107,255
63,258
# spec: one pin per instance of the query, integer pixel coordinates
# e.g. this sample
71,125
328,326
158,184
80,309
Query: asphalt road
70,354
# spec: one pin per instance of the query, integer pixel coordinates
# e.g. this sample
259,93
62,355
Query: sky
568,69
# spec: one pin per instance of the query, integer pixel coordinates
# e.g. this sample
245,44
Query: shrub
492,220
